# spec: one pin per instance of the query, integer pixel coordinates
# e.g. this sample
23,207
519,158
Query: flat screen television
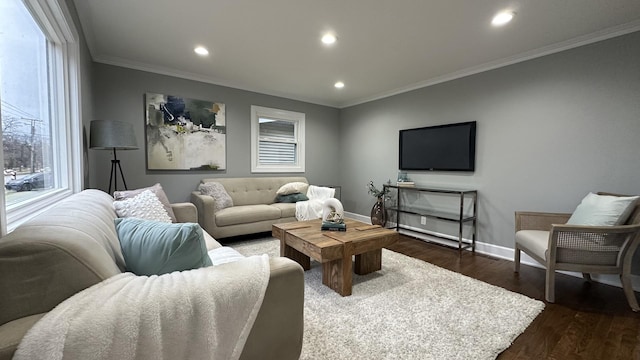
450,147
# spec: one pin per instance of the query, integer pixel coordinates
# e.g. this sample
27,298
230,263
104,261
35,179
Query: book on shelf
405,183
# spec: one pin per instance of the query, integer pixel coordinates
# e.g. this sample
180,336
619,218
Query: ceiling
384,47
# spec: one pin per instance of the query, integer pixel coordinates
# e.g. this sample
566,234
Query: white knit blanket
312,208
205,313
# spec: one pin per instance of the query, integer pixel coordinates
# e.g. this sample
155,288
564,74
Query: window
277,140
38,107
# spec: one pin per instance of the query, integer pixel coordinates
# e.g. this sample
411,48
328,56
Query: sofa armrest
206,211
278,329
527,220
185,212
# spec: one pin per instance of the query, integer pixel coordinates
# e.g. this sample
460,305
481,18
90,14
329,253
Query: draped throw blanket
312,208
205,313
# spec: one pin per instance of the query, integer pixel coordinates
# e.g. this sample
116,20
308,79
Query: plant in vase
378,212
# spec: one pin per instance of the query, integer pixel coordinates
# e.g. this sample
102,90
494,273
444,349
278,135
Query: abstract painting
184,134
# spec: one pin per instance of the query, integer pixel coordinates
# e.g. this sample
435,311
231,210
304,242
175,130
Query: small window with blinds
277,140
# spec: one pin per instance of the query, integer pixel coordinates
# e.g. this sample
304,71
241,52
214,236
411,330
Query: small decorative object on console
378,212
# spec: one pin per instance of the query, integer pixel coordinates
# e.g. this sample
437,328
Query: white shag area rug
408,310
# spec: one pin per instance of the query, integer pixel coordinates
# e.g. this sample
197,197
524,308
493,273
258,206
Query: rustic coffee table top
325,245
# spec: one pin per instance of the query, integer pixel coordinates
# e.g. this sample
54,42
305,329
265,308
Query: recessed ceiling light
329,39
201,50
502,18
339,85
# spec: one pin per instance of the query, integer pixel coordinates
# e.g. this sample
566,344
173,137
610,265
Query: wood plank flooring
587,321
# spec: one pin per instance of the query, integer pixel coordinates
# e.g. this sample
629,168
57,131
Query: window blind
277,142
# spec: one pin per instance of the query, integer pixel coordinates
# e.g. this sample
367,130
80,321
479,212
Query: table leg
337,275
295,255
368,262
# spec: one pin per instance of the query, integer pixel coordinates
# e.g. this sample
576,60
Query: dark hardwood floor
587,321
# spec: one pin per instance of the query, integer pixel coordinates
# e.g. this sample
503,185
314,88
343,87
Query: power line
16,109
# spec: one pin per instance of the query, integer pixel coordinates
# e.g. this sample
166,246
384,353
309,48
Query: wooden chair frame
628,240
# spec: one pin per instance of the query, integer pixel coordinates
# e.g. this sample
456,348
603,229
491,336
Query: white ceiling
384,47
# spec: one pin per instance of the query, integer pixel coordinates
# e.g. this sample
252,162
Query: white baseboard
506,253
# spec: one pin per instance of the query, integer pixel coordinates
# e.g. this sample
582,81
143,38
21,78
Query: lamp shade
112,135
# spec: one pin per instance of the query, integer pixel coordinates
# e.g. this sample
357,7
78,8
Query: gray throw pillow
221,199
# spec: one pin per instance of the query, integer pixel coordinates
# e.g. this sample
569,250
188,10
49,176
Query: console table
434,213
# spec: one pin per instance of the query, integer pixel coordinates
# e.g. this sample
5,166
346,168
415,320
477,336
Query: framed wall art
184,134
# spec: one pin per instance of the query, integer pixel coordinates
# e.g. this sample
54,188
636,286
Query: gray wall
549,131
119,95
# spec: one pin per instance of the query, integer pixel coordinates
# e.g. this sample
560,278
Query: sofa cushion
246,214
221,199
12,333
156,189
155,248
293,188
145,205
286,209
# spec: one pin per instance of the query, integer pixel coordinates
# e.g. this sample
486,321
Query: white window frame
56,23
297,119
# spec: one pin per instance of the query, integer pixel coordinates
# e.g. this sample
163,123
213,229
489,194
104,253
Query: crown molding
116,61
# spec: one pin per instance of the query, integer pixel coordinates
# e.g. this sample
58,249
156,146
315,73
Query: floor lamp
113,135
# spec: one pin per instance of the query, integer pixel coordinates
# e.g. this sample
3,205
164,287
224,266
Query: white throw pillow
293,188
145,205
156,189
221,198
603,210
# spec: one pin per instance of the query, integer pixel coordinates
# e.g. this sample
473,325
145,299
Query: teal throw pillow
291,198
155,248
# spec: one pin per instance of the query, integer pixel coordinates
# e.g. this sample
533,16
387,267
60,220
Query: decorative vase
378,213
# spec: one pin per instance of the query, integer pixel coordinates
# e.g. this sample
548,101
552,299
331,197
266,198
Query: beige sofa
74,245
253,209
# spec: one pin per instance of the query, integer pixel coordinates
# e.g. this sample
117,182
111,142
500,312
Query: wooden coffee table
303,240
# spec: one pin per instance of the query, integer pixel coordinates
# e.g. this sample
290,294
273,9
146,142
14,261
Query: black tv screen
450,147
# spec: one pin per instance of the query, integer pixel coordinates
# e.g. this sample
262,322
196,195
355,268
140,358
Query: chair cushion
246,214
535,241
156,248
603,210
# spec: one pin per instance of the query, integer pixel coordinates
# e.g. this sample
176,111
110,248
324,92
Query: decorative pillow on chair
221,199
293,188
145,205
603,210
155,248
156,189
291,198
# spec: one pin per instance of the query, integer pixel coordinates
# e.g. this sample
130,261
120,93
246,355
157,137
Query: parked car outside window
30,182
